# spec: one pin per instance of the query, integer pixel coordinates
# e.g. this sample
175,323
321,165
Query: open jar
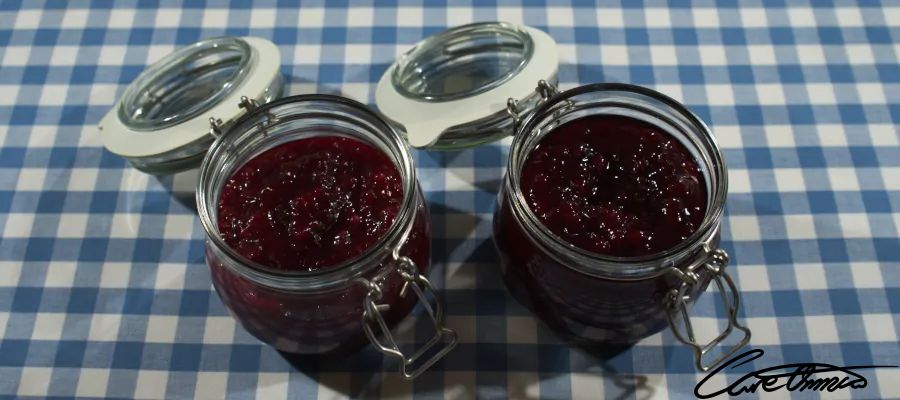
476,83
344,306
593,298
217,101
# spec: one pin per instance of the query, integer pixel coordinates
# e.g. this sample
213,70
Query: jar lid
451,89
162,122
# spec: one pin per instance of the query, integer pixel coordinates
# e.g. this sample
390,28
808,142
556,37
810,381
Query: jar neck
293,118
634,102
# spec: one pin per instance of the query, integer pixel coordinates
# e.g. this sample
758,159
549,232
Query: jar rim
596,264
331,276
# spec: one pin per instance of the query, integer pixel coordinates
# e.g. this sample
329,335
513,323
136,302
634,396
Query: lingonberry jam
615,185
310,203
309,206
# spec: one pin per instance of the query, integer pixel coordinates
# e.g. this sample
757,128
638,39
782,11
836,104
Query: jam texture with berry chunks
309,206
615,185
311,203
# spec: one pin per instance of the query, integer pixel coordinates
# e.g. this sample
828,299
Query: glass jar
215,101
343,307
596,299
476,83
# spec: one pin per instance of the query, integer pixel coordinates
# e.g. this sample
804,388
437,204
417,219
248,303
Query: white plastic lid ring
462,75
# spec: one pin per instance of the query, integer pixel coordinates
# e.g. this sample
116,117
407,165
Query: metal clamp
545,89
678,299
414,365
251,105
248,104
216,125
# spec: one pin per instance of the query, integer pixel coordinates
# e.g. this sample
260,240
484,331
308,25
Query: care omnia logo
790,377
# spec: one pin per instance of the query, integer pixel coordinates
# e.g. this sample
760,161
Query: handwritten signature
791,377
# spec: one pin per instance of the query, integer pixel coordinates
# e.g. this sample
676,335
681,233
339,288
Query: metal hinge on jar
216,125
677,301
414,365
544,89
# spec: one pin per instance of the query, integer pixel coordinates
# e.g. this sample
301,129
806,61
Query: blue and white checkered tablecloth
103,287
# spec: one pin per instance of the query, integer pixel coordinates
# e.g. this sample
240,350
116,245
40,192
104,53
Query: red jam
311,203
610,185
615,185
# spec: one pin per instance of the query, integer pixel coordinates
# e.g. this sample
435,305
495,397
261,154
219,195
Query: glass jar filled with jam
318,239
608,220
607,225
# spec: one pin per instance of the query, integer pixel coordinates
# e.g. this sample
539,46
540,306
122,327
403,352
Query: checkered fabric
103,286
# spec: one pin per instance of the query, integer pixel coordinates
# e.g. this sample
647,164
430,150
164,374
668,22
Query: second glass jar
593,299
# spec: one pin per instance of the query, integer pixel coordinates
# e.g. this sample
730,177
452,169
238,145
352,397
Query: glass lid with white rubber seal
608,215
452,90
161,125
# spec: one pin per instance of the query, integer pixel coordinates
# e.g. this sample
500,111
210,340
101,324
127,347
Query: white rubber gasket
121,140
425,121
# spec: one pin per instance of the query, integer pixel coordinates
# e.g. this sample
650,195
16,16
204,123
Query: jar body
313,322
584,309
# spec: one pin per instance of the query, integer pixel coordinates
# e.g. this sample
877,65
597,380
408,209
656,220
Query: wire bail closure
412,366
545,89
678,299
217,126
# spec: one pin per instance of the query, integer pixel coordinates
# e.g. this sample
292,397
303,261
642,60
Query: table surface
103,287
